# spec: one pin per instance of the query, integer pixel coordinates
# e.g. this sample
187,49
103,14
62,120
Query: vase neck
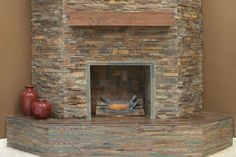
29,87
42,100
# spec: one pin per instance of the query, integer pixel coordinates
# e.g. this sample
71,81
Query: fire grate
120,107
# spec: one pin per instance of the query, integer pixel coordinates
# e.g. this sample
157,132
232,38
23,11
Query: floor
9,152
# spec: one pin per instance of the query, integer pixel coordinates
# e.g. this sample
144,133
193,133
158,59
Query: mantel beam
106,18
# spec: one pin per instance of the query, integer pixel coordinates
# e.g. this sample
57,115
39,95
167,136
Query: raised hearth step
121,137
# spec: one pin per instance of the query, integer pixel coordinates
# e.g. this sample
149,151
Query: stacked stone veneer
60,53
201,136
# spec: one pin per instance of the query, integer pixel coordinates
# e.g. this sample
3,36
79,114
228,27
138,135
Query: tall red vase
27,98
41,109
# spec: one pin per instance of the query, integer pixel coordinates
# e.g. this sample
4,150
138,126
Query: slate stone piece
199,136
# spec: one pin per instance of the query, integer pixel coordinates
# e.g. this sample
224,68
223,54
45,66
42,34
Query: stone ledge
131,136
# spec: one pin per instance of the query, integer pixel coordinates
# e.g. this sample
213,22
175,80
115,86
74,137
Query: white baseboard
234,141
3,143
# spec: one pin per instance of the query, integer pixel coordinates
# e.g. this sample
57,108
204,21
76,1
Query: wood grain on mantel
106,18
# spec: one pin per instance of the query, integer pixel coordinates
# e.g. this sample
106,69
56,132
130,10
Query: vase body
41,109
28,96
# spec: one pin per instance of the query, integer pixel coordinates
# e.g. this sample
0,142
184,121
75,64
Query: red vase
41,109
27,98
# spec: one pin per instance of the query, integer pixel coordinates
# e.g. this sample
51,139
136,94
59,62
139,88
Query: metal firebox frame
151,64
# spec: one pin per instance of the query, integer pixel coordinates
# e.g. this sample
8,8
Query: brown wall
220,56
15,55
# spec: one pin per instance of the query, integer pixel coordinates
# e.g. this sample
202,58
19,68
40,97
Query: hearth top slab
202,119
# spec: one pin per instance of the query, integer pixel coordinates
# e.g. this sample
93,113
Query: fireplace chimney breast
62,53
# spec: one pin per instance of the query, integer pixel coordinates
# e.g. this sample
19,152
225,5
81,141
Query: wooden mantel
109,18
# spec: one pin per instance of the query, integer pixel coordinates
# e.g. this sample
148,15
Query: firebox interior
120,90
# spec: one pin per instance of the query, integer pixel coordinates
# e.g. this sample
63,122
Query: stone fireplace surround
61,53
61,59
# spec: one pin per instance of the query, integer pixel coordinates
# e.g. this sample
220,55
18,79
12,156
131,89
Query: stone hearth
121,137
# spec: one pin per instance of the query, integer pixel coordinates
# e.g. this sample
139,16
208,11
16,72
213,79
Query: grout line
3,143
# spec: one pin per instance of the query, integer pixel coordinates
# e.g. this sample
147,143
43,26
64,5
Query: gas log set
121,107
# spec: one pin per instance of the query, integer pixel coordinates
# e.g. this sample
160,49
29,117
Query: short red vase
28,96
41,109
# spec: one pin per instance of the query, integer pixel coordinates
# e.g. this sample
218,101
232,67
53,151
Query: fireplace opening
121,89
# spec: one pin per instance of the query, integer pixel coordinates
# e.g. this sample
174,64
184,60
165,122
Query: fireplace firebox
121,88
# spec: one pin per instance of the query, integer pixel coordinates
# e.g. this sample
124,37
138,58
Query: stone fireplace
61,53
119,72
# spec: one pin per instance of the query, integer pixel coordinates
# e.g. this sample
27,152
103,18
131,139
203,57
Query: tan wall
220,56
15,55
